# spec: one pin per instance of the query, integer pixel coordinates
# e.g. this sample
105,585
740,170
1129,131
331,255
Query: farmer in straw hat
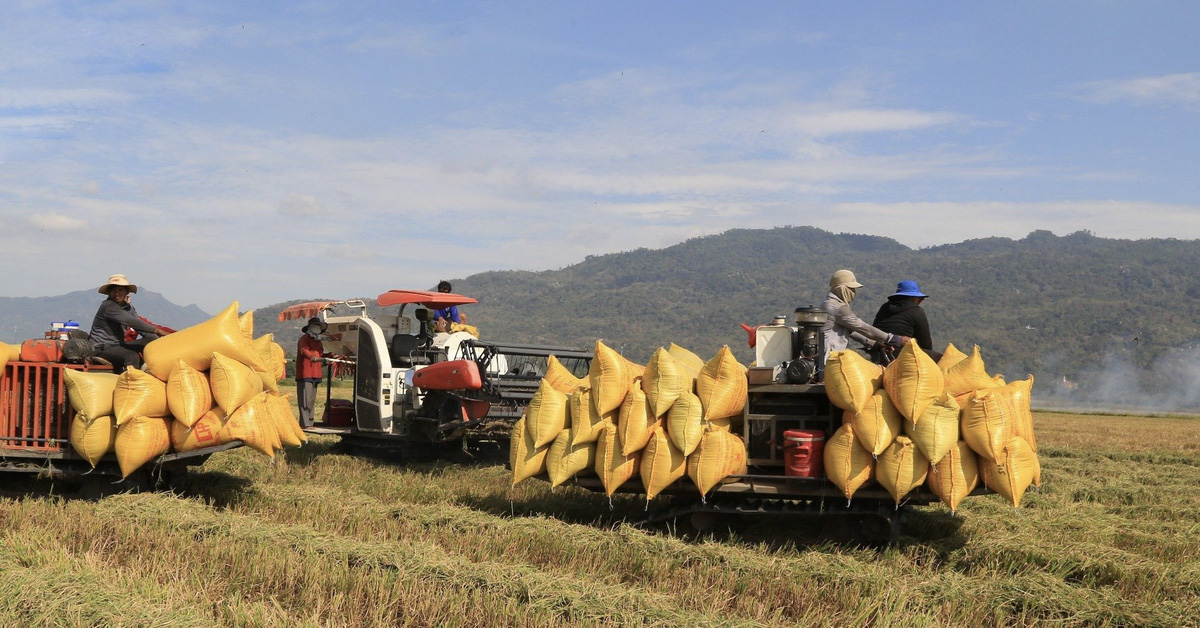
113,318
843,325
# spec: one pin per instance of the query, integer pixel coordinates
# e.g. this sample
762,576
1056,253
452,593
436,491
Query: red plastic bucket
803,453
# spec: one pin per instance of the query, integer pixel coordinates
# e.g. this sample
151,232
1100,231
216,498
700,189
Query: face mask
313,331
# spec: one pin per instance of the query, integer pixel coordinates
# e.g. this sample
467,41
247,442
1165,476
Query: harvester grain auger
413,386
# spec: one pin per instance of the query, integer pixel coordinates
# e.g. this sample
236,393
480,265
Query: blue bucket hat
907,288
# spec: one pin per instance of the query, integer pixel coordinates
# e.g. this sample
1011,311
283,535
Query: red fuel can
803,453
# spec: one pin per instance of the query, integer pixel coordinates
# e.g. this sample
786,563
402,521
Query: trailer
35,426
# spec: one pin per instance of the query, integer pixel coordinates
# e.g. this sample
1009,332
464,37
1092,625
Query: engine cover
452,375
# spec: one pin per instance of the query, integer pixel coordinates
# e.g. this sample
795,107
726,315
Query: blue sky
263,151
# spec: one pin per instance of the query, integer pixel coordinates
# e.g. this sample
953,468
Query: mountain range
1114,319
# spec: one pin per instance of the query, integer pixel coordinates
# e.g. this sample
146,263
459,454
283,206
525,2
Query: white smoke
1170,382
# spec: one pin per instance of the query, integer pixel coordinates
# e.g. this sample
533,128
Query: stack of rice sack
942,424
206,385
673,417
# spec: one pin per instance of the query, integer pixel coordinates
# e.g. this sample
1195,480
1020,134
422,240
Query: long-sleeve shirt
309,351
905,318
449,313
843,325
108,328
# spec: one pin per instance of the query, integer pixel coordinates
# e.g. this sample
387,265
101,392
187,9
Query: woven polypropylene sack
913,380
196,345
968,374
721,386
901,468
878,423
847,464
608,377
251,425
524,458
140,440
987,420
564,460
955,476
205,432
279,361
138,393
92,438
90,393
1012,473
286,416
233,383
662,463
287,435
937,431
586,424
262,346
690,362
246,324
950,357
851,379
635,422
546,414
1023,423
560,378
614,467
664,380
685,423
189,395
719,456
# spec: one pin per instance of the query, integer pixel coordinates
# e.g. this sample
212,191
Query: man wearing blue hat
902,315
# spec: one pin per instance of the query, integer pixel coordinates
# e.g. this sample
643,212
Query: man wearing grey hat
843,325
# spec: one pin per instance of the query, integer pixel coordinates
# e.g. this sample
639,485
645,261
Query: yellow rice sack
205,432
287,436
262,346
847,464
524,458
285,416
90,393
9,353
251,425
196,345
901,468
1012,473
664,380
586,425
721,386
937,431
608,377
851,379
546,414
955,476
564,460
614,467
719,455
246,324
137,393
987,420
92,438
233,383
950,357
913,380
140,440
685,423
662,463
968,374
690,362
189,395
878,424
1023,423
636,422
560,378
279,360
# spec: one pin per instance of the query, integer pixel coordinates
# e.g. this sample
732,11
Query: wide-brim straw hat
318,321
117,280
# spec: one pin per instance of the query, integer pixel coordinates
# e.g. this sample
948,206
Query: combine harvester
415,389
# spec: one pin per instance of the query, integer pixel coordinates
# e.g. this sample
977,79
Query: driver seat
405,350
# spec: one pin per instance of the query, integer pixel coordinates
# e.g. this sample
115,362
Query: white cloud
871,121
1168,89
57,222
301,205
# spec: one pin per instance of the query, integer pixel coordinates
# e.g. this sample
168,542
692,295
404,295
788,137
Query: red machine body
452,375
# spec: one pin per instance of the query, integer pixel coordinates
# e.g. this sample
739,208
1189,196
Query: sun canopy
435,300
303,310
